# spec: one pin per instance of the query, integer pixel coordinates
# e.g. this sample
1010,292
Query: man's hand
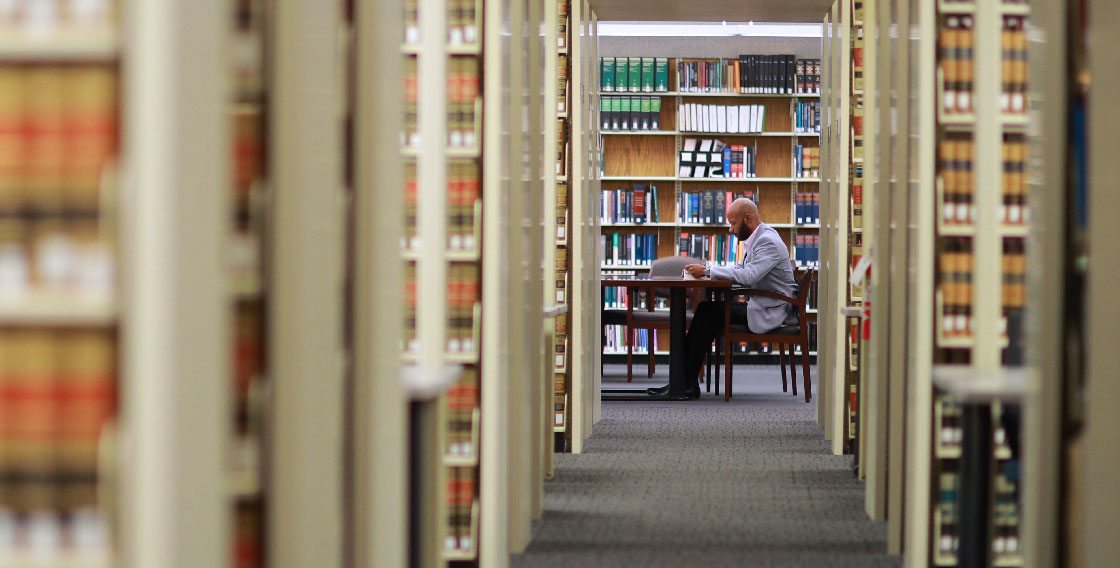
696,270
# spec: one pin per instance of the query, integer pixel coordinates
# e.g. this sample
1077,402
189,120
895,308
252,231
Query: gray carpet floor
707,483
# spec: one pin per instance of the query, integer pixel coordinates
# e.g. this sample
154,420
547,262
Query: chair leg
805,368
782,364
652,363
629,354
792,370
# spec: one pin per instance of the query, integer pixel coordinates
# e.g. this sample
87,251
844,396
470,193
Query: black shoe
692,393
659,391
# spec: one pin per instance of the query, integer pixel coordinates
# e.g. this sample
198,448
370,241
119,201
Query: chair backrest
803,290
671,265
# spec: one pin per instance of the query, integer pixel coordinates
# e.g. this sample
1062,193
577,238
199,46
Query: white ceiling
711,10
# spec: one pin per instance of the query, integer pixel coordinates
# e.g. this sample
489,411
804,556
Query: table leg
676,343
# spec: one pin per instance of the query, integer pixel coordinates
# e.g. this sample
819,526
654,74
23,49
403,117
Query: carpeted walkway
707,483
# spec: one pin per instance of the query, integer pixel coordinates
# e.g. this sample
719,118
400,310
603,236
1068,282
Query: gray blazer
765,266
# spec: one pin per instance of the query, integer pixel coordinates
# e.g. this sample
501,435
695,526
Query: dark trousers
707,323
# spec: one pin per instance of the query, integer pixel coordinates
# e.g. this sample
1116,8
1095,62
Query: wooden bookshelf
650,158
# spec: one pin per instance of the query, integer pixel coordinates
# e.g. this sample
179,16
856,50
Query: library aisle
704,483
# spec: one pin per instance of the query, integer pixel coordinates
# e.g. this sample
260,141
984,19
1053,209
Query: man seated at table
765,266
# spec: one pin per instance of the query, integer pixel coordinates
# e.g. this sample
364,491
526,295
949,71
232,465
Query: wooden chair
791,335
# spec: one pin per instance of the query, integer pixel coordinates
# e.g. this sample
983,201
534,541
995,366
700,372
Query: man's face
739,228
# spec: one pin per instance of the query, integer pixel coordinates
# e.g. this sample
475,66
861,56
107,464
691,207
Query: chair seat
644,317
740,329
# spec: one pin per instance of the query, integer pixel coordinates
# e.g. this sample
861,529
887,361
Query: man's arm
766,257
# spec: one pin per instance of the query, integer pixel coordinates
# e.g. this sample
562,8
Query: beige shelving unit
1069,490
832,402
175,332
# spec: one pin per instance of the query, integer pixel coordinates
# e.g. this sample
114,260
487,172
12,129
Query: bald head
742,216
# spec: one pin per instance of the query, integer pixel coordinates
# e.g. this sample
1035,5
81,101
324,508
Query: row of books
560,347
807,117
635,205
462,296
43,15
807,251
956,156
806,162
721,118
58,132
630,113
67,257
634,74
954,277
462,486
57,392
750,74
562,86
248,351
622,249
617,340
464,179
714,159
720,249
562,211
1015,70
947,530
1015,210
615,297
807,208
1014,264
955,45
562,147
463,289
561,275
248,151
462,402
857,199
463,85
707,206
462,22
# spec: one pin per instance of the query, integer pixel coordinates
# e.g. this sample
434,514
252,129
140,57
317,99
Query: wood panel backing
639,156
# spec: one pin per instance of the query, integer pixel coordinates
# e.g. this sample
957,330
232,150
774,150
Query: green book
625,113
621,66
661,74
604,113
647,74
655,113
647,109
635,74
606,70
616,112
614,257
655,218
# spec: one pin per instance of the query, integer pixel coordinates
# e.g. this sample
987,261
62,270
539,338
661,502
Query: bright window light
703,29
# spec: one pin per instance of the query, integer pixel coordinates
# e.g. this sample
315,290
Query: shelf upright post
581,386
876,412
175,335
919,387
1101,496
380,493
594,316
522,322
824,356
494,475
1047,248
305,331
548,171
870,103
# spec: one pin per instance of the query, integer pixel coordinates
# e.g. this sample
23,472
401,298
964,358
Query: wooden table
677,287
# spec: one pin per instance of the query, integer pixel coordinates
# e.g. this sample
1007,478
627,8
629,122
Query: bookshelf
961,370
637,160
60,320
